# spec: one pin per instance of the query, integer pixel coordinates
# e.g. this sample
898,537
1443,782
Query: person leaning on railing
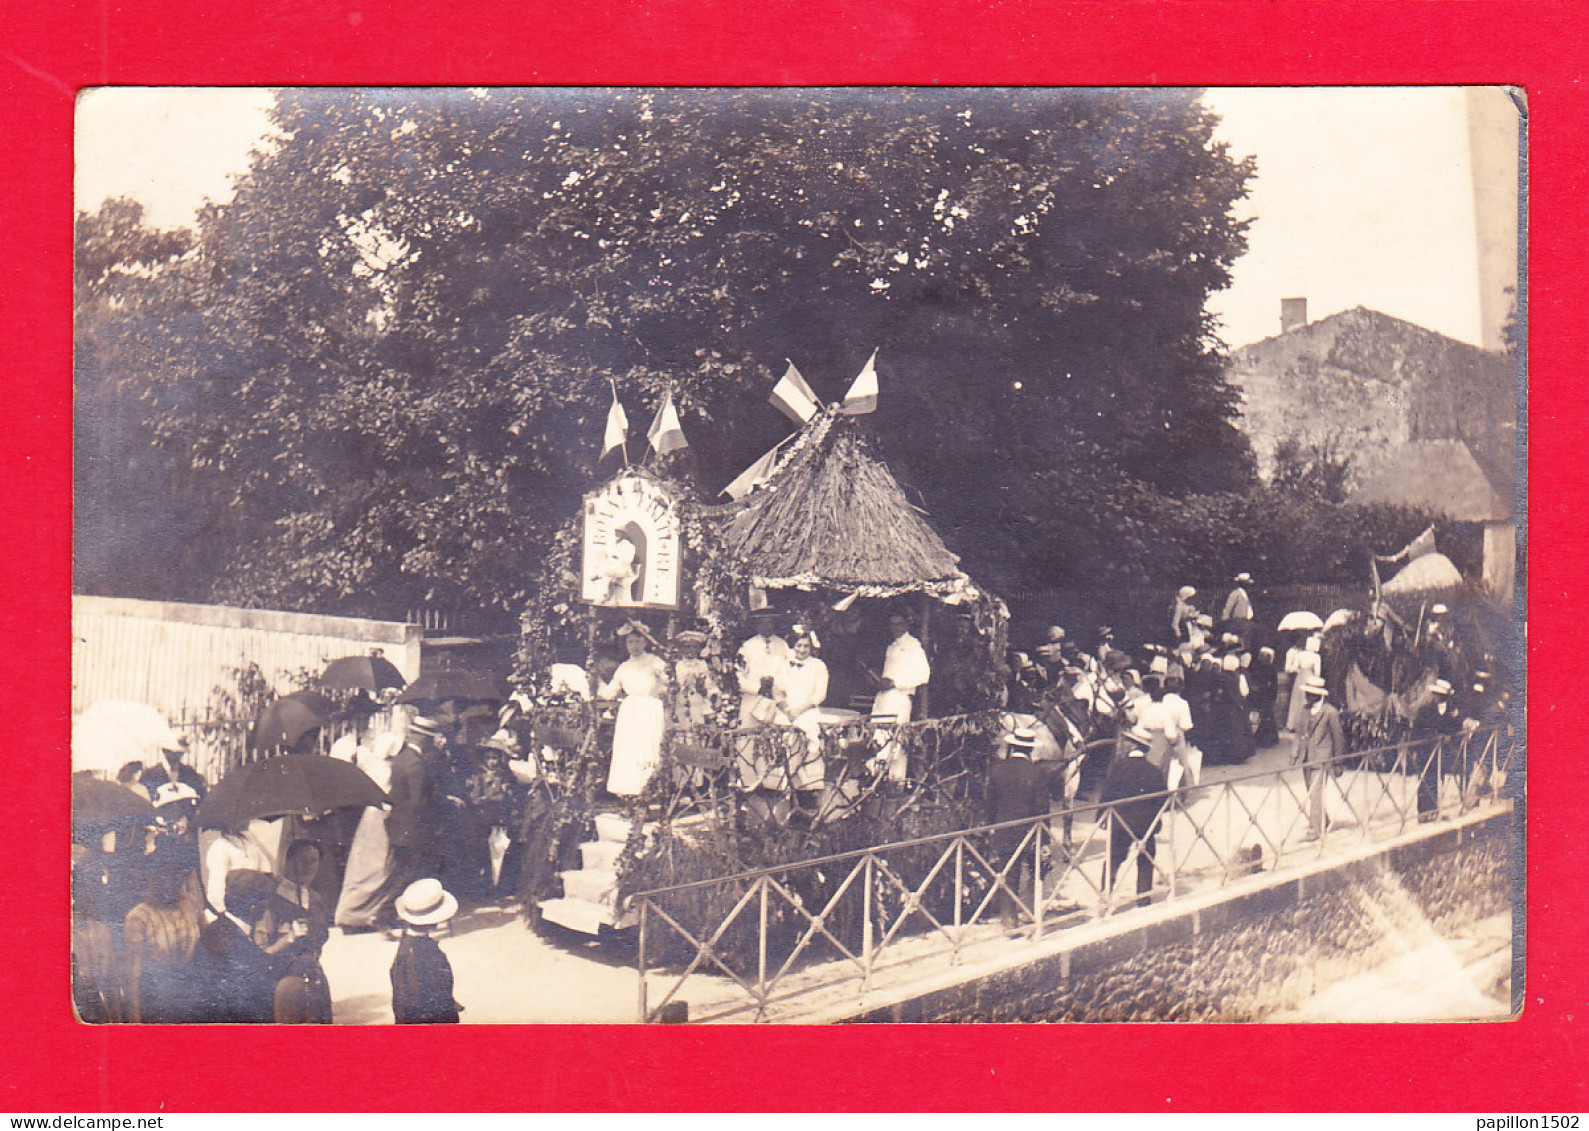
1434,728
1132,775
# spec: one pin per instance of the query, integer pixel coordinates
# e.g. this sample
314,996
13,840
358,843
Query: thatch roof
832,515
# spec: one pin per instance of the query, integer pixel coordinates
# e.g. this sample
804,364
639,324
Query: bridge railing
745,946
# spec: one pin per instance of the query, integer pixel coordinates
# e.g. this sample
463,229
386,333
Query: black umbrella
99,802
289,718
450,683
308,785
362,673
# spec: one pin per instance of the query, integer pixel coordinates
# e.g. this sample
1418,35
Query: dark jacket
1017,787
1129,778
415,795
422,984
236,983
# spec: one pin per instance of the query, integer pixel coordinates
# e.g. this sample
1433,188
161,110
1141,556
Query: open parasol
1299,621
305,785
289,718
362,673
1432,573
1338,618
113,732
97,802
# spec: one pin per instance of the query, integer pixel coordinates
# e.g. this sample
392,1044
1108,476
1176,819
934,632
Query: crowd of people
172,923
1211,691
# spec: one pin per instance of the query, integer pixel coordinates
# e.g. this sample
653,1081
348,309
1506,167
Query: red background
51,49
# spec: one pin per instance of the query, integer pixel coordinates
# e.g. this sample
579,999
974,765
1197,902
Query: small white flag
1417,548
793,397
751,476
862,397
617,426
666,434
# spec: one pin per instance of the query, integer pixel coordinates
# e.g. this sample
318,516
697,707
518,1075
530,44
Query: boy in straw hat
421,974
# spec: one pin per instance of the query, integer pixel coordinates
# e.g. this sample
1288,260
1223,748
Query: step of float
593,885
578,915
601,853
616,827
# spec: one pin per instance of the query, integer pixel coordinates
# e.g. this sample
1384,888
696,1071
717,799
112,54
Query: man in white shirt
762,661
905,668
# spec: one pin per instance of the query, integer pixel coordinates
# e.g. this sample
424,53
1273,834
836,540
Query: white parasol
114,732
1301,620
1338,618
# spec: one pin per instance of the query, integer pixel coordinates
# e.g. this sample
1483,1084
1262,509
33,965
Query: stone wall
1256,954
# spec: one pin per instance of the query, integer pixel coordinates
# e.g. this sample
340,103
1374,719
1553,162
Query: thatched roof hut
831,515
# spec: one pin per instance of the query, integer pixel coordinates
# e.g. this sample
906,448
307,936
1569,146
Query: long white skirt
636,744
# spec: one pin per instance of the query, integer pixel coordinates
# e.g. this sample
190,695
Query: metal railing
776,940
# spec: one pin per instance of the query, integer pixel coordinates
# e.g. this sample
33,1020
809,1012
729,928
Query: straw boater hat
424,724
424,903
1186,593
1021,740
1244,578
1440,687
1315,685
691,636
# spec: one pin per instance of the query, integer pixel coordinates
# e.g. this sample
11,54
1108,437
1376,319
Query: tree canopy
378,376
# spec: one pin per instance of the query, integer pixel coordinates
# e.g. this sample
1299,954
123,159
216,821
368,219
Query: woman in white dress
799,690
641,681
1302,664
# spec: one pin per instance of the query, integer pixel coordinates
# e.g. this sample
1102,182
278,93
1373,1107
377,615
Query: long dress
367,883
641,681
1307,664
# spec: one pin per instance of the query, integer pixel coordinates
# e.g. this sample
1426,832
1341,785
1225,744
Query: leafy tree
391,354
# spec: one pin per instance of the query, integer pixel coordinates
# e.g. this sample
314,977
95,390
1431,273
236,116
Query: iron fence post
866,924
960,862
1041,834
761,958
640,960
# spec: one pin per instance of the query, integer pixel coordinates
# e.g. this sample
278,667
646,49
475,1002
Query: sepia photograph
797,556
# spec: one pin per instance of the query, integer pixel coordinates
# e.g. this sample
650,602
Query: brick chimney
1293,314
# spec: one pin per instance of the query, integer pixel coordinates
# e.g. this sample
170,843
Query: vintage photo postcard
798,556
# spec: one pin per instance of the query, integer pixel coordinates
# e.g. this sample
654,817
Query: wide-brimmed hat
425,725
1315,685
424,903
503,741
1440,687
691,636
1243,578
1186,592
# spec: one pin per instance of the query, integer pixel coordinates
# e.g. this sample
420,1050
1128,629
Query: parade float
818,538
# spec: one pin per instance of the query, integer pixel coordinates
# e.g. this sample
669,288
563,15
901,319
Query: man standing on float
905,668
